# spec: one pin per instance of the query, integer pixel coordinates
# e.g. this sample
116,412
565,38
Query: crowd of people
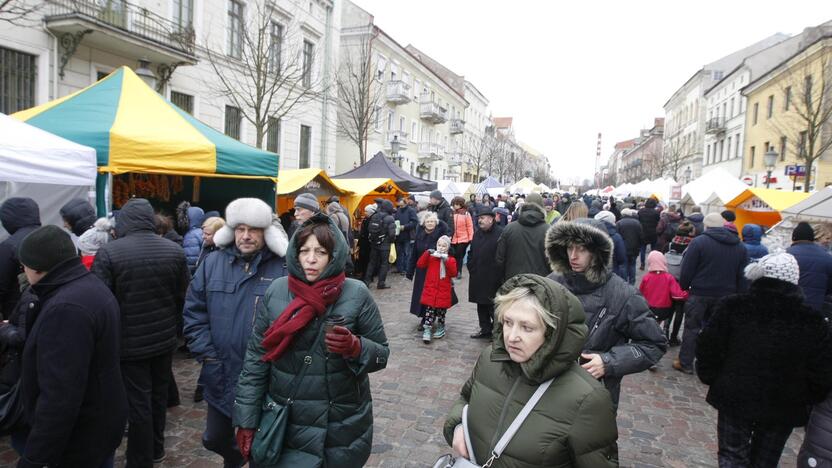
278,311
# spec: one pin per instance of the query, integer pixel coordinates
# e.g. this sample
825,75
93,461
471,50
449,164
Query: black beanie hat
729,216
803,232
45,248
436,194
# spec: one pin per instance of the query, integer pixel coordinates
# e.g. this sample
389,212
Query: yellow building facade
787,108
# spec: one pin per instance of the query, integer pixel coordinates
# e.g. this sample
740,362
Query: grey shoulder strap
524,413
467,433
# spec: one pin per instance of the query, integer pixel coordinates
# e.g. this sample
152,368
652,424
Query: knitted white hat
95,237
782,266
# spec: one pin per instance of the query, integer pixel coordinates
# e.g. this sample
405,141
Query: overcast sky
568,70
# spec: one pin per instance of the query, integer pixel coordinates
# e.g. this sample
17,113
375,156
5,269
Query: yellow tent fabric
762,206
364,191
293,182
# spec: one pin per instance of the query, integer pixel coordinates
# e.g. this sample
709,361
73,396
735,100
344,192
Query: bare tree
359,94
500,163
479,153
20,12
671,158
268,71
809,126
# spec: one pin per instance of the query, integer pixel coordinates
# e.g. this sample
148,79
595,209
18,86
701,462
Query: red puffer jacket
437,292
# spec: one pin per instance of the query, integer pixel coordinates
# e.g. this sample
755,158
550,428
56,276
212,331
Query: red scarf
310,301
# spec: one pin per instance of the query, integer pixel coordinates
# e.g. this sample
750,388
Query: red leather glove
341,341
244,439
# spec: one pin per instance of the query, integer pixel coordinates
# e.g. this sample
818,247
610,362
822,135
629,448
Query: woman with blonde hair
209,227
577,210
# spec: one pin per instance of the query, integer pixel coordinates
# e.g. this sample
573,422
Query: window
739,147
305,146
770,106
417,86
707,154
391,118
436,174
235,28
18,74
728,154
807,90
377,117
721,148
402,124
414,132
183,101
100,75
718,74
753,153
275,47
783,143
724,111
308,50
767,146
183,13
233,120
787,98
273,135
732,107
754,115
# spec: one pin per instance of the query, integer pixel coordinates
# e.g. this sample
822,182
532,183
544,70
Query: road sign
796,170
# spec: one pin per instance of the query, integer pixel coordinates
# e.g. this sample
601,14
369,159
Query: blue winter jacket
192,242
219,315
751,236
409,221
619,251
714,264
815,271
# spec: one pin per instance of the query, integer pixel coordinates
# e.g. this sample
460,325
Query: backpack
670,229
674,263
375,229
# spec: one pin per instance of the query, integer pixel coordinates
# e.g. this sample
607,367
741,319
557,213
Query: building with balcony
786,115
641,158
686,112
84,40
416,104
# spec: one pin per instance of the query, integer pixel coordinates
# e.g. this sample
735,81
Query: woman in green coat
331,417
538,335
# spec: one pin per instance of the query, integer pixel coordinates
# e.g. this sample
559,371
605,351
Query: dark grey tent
380,166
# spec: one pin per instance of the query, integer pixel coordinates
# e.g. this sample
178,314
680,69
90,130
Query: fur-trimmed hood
255,213
564,233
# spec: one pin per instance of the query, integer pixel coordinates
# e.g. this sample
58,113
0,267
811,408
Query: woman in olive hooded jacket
573,424
331,417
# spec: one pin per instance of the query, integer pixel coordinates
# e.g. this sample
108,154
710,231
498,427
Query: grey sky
567,70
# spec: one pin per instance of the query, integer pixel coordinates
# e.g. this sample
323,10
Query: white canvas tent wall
718,180
44,167
815,209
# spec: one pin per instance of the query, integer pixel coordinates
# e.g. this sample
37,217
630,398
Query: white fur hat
255,213
782,266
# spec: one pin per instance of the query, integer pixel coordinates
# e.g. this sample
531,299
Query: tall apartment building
413,105
177,41
642,159
685,112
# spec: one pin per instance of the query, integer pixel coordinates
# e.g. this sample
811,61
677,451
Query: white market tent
717,180
449,189
816,208
44,167
524,186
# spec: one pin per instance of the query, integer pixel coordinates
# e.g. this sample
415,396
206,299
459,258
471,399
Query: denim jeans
643,252
403,252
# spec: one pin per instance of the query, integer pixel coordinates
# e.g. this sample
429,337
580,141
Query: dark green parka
331,419
573,424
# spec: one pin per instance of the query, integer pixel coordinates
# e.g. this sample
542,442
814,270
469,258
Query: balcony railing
397,135
457,126
715,125
398,92
432,151
432,111
130,18
454,158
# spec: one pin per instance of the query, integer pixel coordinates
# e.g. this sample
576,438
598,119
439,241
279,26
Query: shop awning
762,206
363,191
293,182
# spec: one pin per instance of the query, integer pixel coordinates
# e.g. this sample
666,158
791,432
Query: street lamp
687,175
394,150
770,160
145,73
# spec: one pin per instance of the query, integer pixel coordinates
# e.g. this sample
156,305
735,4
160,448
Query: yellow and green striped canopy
134,129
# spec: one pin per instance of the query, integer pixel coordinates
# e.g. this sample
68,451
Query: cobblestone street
663,419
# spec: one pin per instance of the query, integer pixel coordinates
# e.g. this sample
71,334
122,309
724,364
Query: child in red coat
437,292
660,288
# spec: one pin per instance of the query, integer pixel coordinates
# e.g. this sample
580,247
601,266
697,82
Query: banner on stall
755,204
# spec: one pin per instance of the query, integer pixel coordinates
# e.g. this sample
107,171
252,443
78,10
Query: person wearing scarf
334,394
437,292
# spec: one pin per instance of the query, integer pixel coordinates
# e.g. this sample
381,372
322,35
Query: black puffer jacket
765,355
444,213
149,276
79,214
630,229
521,244
621,328
19,216
649,219
816,450
12,339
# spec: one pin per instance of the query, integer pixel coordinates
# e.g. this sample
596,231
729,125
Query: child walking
660,288
436,295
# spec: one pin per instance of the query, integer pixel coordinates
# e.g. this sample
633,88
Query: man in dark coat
19,217
149,276
408,220
443,210
697,219
623,337
630,229
381,232
218,319
712,267
649,219
78,216
520,245
815,265
70,387
486,277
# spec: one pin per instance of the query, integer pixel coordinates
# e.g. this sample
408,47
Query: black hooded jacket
444,213
19,216
148,275
521,245
649,219
79,214
713,264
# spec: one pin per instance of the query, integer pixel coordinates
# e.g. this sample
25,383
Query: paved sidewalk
663,419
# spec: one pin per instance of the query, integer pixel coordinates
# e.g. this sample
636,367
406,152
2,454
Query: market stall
762,206
362,192
711,190
43,167
815,209
524,186
146,146
379,166
293,182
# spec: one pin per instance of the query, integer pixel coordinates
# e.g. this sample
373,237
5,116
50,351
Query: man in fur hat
623,338
219,309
